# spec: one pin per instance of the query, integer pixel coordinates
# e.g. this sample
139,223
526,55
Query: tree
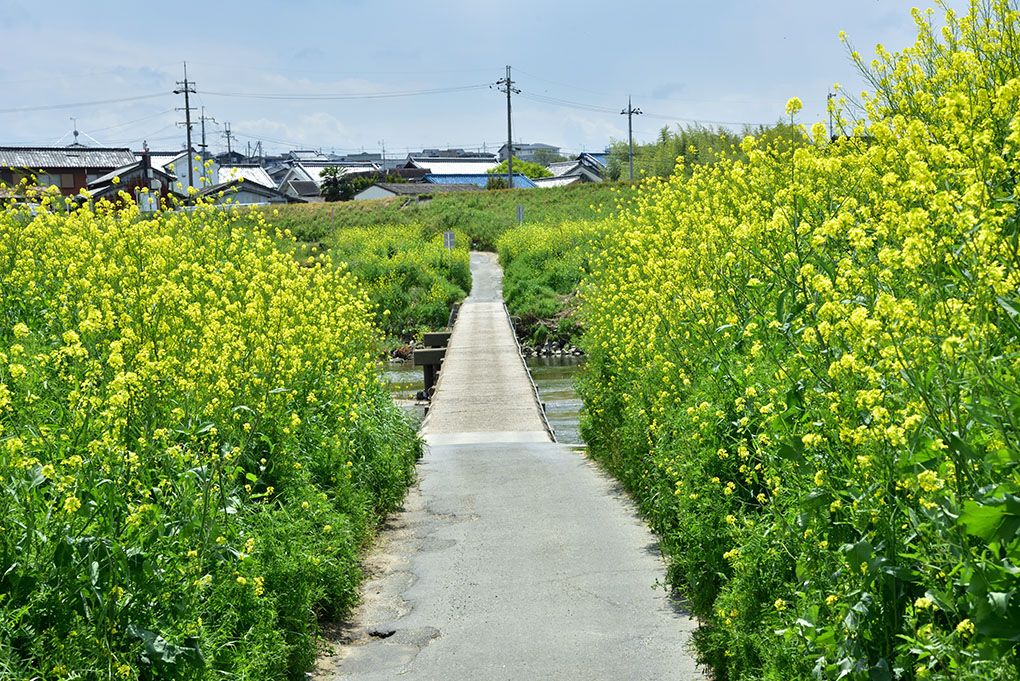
546,156
335,184
531,170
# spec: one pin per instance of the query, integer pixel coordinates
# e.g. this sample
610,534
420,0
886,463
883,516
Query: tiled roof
247,186
562,167
415,188
117,172
521,181
250,173
560,181
65,157
305,188
454,166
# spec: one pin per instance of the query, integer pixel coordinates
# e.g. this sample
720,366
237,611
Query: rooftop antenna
74,127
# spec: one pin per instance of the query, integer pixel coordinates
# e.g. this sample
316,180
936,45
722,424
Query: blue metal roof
521,181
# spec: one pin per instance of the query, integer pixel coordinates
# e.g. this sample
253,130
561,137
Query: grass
482,216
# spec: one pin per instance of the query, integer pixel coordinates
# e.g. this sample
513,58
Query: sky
359,75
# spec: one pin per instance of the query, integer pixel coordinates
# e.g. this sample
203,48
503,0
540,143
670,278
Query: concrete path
515,557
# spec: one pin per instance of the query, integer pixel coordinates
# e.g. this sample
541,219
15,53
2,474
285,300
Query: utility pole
228,134
828,102
630,112
187,88
507,85
205,147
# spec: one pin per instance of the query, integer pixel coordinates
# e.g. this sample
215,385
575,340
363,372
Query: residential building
562,181
242,192
147,184
588,167
69,168
481,180
202,175
526,152
301,190
452,165
419,191
251,172
311,171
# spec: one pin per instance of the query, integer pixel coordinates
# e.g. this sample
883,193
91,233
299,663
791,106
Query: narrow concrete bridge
515,557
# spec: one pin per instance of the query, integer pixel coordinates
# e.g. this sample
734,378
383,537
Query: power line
348,95
137,120
566,103
51,107
555,101
326,72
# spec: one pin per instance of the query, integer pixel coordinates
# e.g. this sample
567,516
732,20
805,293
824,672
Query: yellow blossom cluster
846,314
172,388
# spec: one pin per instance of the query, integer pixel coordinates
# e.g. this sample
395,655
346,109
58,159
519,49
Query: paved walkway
515,557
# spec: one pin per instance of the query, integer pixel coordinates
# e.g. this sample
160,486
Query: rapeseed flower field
803,360
194,445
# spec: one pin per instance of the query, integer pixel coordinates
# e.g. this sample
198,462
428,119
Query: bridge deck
515,557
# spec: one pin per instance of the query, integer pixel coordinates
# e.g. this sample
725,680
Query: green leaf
793,450
1010,306
816,499
996,519
157,650
880,671
858,553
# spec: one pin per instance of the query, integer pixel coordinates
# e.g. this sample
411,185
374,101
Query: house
301,190
562,181
70,168
231,158
481,180
453,153
575,169
595,159
452,165
202,175
311,171
387,190
302,155
147,184
251,172
241,192
526,152
364,157
588,167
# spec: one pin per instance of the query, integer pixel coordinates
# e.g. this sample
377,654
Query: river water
554,377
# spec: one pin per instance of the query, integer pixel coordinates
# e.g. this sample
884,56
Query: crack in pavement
371,638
